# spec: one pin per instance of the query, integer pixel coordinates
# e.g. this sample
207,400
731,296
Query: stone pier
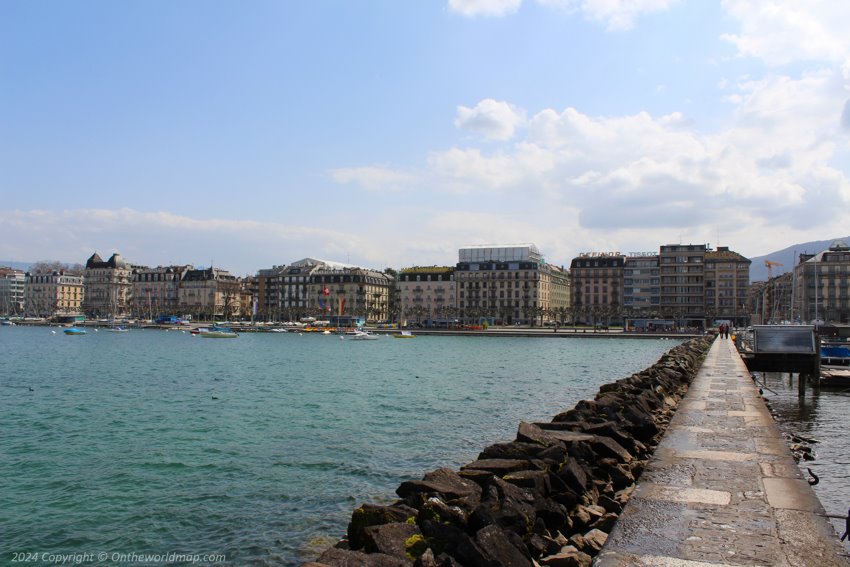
722,486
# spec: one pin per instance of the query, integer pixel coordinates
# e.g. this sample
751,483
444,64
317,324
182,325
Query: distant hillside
15,265
788,257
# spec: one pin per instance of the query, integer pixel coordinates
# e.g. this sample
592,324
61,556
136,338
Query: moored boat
363,336
219,333
404,335
74,331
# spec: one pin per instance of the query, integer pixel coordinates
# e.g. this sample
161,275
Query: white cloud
494,120
374,178
471,8
785,31
615,14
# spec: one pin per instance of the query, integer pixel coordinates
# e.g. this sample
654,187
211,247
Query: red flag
326,291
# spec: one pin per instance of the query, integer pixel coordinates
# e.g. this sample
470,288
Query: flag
326,291
341,306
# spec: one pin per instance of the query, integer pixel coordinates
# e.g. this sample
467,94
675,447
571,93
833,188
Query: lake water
823,416
259,447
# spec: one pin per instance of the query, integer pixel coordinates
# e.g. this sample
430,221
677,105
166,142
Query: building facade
682,273
12,285
727,284
508,284
428,294
156,291
822,285
339,290
642,290
54,294
209,294
108,287
597,287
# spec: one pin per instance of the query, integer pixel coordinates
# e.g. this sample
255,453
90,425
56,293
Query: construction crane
769,265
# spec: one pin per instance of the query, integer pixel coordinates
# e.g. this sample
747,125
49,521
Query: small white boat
119,329
404,335
363,336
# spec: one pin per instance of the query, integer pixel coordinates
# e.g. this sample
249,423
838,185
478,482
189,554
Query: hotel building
156,291
428,294
209,294
508,284
822,287
12,285
727,283
597,287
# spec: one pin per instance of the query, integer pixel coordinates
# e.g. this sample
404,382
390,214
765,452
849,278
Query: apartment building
12,285
156,291
349,291
53,294
682,273
209,294
427,294
641,287
727,283
822,285
108,287
597,287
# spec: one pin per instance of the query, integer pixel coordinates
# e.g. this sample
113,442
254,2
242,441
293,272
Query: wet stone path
722,487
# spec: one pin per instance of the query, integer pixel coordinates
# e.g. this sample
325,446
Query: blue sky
390,134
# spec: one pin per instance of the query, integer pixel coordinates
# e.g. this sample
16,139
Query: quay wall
551,496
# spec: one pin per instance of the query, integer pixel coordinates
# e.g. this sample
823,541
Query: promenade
722,487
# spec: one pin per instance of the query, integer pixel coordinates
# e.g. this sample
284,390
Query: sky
390,134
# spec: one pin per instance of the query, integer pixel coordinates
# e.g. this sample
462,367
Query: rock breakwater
549,497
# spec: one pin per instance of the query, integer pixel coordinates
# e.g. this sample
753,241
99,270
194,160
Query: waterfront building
642,291
771,301
209,294
12,284
428,294
346,291
284,292
507,284
727,282
597,287
682,272
53,294
156,291
108,287
821,285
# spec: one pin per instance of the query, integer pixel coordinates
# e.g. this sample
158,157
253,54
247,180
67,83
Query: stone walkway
722,487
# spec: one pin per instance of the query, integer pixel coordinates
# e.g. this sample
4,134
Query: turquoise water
258,447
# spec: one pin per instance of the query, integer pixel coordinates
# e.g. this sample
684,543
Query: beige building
54,294
108,287
507,284
348,291
727,283
428,294
156,291
209,294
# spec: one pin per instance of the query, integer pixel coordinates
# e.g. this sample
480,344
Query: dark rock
512,450
436,510
567,557
578,541
443,482
605,523
574,475
393,539
346,558
595,540
427,559
538,480
610,504
502,548
607,447
501,467
373,515
505,505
